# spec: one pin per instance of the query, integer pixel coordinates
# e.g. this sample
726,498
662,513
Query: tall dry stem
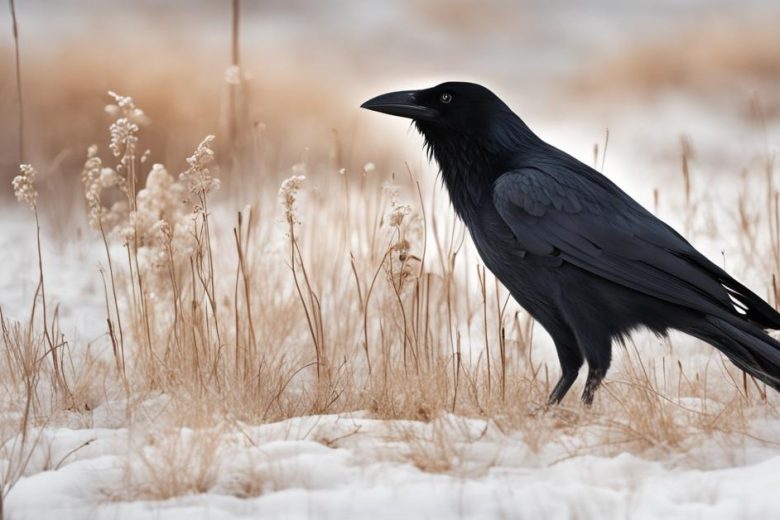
15,30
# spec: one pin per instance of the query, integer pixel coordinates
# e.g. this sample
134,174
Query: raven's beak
402,104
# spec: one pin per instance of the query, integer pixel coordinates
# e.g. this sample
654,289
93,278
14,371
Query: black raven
582,257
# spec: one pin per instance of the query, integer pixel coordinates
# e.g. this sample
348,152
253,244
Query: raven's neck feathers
471,161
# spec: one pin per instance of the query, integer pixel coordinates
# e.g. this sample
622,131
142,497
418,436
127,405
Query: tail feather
746,345
746,303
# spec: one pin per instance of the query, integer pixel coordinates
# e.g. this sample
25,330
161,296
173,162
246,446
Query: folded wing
587,221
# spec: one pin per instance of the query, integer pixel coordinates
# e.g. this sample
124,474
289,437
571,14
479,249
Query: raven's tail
746,345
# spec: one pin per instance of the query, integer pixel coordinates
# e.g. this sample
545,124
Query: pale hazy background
312,63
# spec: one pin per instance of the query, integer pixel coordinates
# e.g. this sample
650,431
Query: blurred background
661,76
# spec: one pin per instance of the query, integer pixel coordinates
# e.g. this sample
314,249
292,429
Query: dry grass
260,321
172,464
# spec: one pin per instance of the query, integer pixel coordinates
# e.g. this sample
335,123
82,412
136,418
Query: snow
72,275
292,470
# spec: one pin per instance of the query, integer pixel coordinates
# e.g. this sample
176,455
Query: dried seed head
198,176
161,230
288,192
91,176
398,211
125,107
124,129
123,138
203,155
108,177
397,214
24,185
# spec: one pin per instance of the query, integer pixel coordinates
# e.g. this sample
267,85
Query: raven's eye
445,98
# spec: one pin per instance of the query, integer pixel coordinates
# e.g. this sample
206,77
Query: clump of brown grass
171,464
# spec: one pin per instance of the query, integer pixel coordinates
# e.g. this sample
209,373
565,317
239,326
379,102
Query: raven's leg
593,339
571,360
595,376
569,353
598,353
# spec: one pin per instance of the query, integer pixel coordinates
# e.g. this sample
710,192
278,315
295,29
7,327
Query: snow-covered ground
352,467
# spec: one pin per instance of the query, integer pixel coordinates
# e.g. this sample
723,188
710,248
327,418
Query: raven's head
454,105
456,112
471,133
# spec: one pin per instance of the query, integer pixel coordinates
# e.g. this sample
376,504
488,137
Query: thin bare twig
15,25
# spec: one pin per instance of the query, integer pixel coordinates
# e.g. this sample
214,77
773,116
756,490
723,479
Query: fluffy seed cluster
397,214
96,178
159,200
163,224
288,192
24,185
124,129
398,211
401,264
198,177
123,139
159,230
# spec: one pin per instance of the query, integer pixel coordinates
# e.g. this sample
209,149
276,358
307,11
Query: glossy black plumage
581,256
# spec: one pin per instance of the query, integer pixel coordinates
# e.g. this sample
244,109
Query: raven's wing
587,221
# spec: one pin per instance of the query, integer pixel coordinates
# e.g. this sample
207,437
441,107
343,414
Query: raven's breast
532,280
